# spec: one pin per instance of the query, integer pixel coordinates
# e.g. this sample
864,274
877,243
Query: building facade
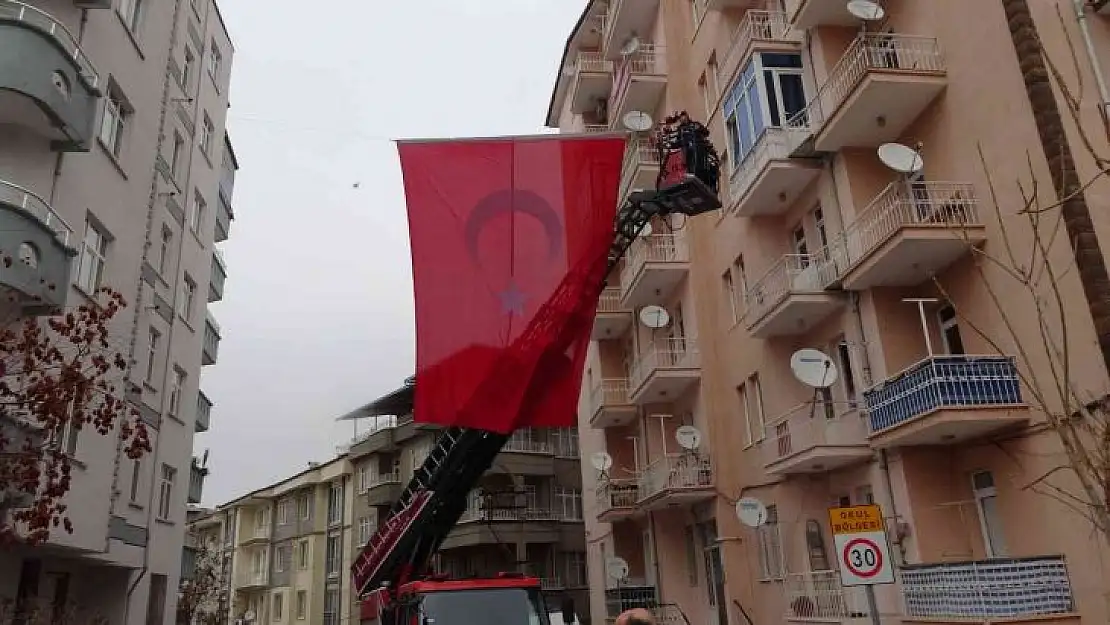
936,413
116,171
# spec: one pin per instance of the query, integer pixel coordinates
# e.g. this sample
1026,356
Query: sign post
862,550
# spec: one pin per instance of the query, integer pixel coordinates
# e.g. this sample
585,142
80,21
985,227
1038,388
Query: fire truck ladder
436,497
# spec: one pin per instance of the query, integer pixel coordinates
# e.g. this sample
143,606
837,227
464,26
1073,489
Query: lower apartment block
901,272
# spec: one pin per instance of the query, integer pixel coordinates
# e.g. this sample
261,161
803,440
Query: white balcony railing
526,440
641,152
809,425
592,61
383,479
609,392
902,204
793,273
610,301
15,195
254,578
675,472
988,590
617,493
43,21
655,248
869,52
647,61
595,128
758,25
668,353
818,596
773,144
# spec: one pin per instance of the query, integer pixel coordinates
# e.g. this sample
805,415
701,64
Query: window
283,512
706,96
114,122
176,155
164,249
575,568
156,600
363,478
188,298
152,340
751,402
131,11
729,289
847,379
206,132
165,492
278,599
136,468
302,605
950,331
94,253
215,60
363,530
177,387
331,606
691,555
302,555
740,283
770,546
990,519
332,556
306,505
196,216
568,503
279,561
335,503
187,67
767,93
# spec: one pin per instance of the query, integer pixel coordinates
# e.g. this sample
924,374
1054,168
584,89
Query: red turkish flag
509,241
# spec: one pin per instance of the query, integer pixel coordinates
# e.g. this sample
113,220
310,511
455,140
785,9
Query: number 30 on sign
861,545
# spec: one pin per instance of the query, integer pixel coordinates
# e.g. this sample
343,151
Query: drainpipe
884,463
1096,67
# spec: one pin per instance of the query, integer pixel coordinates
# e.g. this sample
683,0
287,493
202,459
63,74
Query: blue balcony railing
1018,588
943,382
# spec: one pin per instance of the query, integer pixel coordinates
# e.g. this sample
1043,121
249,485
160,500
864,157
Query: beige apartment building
820,244
116,170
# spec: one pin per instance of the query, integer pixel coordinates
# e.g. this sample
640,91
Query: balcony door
649,558
990,520
714,573
950,331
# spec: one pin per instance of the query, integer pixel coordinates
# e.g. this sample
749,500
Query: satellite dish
866,10
751,512
601,461
646,230
630,47
813,368
617,568
900,158
637,121
688,437
654,317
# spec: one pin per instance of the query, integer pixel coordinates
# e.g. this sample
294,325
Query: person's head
635,616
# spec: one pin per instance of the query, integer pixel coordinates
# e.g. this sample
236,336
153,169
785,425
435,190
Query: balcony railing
675,473
868,52
617,493
609,392
818,596
810,425
595,128
43,21
667,353
943,382
15,195
757,25
772,144
610,301
647,61
655,248
902,204
630,594
641,152
383,479
254,578
525,441
793,273
592,61
474,512
204,412
989,589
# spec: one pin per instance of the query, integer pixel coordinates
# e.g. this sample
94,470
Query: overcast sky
317,315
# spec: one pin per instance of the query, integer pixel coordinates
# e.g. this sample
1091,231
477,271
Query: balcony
908,233
204,412
382,488
806,14
767,180
762,30
39,241
625,19
498,526
591,129
668,368
812,438
224,216
653,268
197,474
675,480
873,93
611,404
946,399
252,579
211,348
818,596
47,83
791,298
1010,590
592,81
616,499
639,81
641,167
219,275
630,594
612,319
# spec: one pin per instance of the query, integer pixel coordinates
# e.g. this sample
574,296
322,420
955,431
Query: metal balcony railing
383,479
674,472
758,25
630,594
655,248
943,382
617,493
609,392
647,61
793,273
47,23
773,144
610,301
868,52
253,578
810,425
592,61
668,353
475,512
15,195
528,440
641,152
818,595
988,589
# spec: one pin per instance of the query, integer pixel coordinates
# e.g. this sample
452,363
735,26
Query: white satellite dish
617,568
813,368
866,10
601,460
637,121
751,512
654,317
646,230
688,437
900,158
631,46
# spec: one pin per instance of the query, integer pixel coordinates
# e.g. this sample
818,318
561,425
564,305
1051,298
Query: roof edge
548,120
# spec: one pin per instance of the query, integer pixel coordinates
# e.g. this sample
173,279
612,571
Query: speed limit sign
861,545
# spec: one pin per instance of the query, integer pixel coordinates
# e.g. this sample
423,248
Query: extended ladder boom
436,497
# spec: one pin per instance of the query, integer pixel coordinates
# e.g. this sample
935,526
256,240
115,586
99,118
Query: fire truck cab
504,600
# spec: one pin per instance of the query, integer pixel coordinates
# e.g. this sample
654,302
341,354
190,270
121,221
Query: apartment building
116,170
525,515
820,244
